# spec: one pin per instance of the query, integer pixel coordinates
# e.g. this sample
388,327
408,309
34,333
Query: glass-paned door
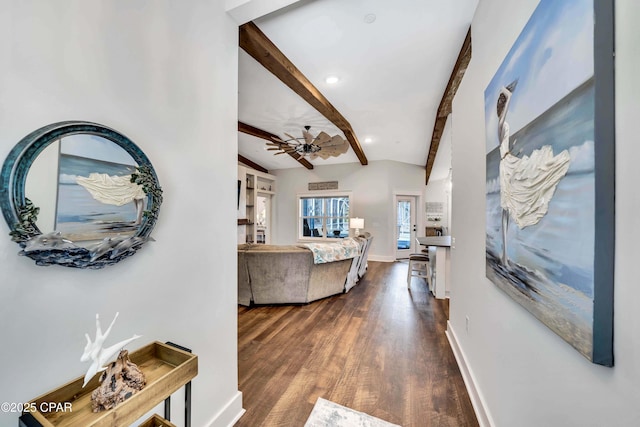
405,225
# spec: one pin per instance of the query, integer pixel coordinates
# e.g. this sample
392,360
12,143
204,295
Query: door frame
269,214
418,197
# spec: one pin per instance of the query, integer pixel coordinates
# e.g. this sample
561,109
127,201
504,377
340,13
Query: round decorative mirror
79,194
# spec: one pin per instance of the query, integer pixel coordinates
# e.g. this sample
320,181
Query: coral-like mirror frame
20,214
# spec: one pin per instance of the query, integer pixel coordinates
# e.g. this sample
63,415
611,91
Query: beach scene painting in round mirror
79,194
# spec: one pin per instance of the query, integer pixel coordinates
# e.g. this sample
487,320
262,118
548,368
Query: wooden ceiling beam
444,109
242,159
259,133
255,43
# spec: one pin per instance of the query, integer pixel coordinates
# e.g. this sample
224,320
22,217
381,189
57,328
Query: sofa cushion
279,275
328,279
244,286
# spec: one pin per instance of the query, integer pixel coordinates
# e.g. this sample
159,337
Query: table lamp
356,223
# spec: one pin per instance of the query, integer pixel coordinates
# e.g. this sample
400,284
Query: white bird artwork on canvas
100,356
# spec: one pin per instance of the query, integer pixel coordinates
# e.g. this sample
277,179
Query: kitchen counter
442,241
439,263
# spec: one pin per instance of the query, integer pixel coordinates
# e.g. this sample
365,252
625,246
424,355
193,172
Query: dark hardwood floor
379,349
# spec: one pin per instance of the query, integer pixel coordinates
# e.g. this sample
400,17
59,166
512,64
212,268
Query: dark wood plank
257,44
259,133
380,349
444,109
252,164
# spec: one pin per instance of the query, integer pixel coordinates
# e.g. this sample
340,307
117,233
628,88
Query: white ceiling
393,73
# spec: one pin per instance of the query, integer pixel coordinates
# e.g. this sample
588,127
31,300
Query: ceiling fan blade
333,150
293,138
322,138
273,149
281,152
307,137
280,146
275,138
338,142
335,140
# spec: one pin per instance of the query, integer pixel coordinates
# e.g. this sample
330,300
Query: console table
167,367
439,261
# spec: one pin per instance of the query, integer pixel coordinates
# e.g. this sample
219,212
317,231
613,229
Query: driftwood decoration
121,380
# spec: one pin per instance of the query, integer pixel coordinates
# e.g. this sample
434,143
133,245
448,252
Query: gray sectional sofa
280,274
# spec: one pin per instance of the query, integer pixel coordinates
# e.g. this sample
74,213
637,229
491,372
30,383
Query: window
323,217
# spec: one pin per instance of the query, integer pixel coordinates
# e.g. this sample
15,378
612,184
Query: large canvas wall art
549,193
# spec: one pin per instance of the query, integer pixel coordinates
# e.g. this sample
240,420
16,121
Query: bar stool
418,267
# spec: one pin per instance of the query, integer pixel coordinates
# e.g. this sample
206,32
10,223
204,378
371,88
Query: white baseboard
230,414
381,258
479,405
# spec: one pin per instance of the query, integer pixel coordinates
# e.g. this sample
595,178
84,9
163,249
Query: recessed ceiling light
368,140
332,80
369,18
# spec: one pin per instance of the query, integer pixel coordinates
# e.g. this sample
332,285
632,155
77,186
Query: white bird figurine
100,356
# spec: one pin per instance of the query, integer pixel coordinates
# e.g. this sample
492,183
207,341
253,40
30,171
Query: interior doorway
406,225
263,219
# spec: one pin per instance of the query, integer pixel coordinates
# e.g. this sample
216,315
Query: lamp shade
356,223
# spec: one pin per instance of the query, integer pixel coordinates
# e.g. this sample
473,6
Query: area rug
329,414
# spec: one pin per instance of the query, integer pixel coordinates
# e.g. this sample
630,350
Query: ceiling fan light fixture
322,145
307,148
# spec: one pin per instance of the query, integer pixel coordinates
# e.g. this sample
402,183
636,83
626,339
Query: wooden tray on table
165,367
157,421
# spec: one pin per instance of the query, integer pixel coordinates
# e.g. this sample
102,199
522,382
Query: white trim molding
478,402
381,258
230,414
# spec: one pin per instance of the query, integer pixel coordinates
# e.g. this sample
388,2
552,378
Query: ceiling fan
323,145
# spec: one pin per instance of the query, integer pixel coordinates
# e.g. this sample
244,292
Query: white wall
527,375
164,74
438,191
439,187
244,11
373,188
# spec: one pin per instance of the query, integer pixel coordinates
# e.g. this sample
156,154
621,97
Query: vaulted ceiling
394,61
